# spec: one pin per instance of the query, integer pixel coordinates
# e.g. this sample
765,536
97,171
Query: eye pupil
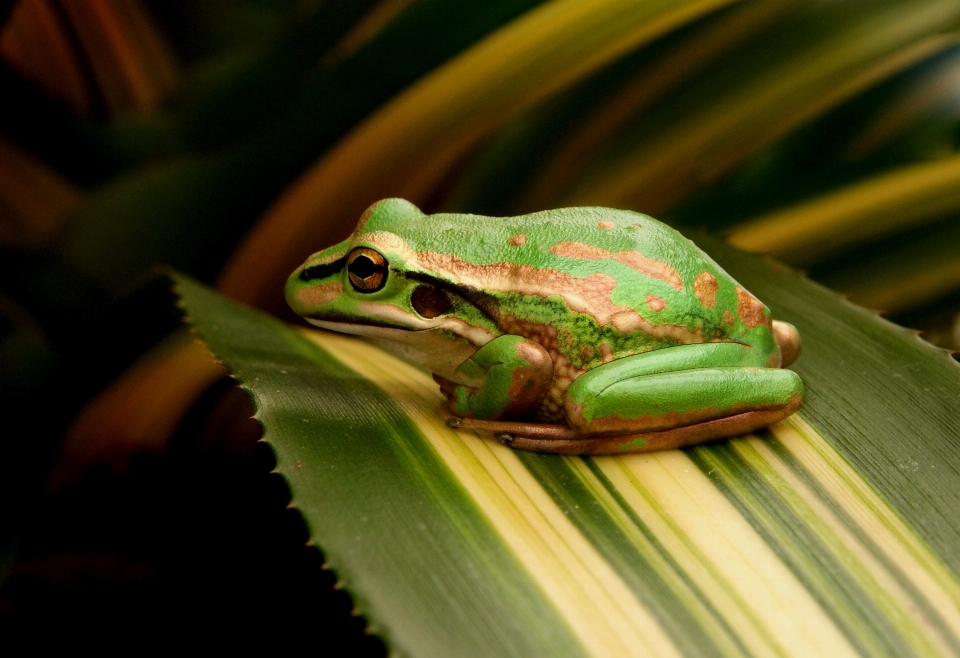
362,267
367,270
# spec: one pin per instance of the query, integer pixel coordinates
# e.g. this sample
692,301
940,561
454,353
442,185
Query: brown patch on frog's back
728,317
606,226
517,240
633,259
656,303
751,310
606,353
590,295
311,296
705,288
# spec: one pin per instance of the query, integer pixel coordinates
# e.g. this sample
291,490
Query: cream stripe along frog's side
580,330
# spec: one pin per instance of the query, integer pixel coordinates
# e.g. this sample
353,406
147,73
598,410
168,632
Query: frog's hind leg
703,391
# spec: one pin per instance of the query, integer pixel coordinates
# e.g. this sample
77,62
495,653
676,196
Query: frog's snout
294,284
788,339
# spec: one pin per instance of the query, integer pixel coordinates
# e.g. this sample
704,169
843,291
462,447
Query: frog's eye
367,270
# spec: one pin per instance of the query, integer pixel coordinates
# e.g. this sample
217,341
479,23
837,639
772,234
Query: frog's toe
788,339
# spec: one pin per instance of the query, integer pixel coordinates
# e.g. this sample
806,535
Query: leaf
817,58
551,142
410,144
106,55
869,209
832,534
34,199
904,273
142,216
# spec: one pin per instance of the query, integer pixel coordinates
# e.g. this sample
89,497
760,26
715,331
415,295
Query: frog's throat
363,328
476,336
424,347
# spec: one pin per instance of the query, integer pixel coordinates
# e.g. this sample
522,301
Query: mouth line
316,322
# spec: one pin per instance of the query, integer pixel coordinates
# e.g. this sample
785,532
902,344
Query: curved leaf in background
150,214
815,63
407,148
876,207
103,57
832,534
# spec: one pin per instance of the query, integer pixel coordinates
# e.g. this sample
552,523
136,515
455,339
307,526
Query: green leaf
141,217
904,273
811,61
831,534
408,148
872,208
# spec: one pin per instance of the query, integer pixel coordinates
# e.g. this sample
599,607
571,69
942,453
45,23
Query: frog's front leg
714,389
505,378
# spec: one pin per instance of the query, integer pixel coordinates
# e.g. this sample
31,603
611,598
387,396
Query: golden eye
367,270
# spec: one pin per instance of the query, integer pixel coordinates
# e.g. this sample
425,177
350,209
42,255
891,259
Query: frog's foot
561,439
788,340
669,439
533,431
505,378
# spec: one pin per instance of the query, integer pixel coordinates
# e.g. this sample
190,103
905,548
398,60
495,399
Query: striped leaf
833,533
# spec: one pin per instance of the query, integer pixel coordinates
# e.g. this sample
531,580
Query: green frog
578,330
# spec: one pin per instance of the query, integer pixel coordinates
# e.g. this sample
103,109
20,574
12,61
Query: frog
581,330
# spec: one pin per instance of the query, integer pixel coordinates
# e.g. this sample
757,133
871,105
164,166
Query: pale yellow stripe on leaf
608,594
878,583
715,544
598,607
671,579
877,519
685,548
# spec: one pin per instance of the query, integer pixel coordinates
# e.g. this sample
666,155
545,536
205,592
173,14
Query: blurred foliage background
231,139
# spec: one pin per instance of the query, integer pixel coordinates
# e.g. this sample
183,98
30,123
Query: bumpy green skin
652,331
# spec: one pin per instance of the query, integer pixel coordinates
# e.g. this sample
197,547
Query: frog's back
593,283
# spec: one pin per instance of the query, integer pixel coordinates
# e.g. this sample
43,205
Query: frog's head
371,284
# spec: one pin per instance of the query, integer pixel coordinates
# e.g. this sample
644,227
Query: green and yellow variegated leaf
831,534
